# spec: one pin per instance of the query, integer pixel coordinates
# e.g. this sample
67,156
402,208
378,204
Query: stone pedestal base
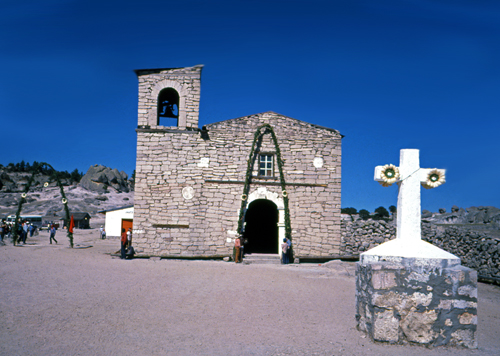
431,306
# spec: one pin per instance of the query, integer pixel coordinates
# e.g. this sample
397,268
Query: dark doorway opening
261,230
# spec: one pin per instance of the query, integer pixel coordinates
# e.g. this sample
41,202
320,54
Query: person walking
52,234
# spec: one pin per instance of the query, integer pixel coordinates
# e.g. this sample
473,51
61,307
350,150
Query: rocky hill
101,188
481,218
472,215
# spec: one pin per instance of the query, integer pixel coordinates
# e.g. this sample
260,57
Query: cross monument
408,243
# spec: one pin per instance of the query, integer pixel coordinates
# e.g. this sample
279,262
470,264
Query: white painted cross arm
428,177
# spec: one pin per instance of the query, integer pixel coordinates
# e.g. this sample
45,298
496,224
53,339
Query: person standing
20,233
123,244
3,230
25,228
289,249
284,252
52,234
237,246
129,238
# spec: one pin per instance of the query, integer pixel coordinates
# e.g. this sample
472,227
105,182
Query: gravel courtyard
60,301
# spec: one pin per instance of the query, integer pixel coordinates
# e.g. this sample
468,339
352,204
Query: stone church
263,176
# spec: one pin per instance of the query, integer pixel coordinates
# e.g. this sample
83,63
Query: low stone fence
477,250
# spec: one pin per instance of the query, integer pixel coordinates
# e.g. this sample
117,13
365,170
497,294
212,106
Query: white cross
411,177
408,245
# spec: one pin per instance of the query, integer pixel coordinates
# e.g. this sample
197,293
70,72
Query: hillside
101,188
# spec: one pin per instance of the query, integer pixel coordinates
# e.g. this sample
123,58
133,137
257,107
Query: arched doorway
261,227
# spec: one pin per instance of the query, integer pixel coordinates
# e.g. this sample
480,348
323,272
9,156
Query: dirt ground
60,301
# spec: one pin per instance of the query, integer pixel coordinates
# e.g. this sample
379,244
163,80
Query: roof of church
275,114
158,70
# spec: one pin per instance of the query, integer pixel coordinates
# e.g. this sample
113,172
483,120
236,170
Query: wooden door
127,224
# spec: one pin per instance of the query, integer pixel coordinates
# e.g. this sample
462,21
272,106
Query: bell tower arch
169,98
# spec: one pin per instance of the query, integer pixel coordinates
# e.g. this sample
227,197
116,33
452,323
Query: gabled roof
274,114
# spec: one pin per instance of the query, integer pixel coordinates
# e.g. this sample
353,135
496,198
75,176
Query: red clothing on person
124,238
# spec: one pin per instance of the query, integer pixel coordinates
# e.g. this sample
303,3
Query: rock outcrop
488,215
99,178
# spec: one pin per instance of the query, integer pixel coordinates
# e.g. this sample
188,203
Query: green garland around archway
248,178
23,200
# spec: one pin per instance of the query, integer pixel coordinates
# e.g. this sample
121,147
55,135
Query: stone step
262,258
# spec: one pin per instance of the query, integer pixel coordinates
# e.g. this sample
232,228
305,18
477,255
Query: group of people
25,229
286,250
126,251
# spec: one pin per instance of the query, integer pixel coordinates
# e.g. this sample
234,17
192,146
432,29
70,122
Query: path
59,301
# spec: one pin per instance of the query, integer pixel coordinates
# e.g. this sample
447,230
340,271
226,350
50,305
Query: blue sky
387,74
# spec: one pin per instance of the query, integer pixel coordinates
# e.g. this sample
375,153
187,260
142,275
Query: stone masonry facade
190,181
402,304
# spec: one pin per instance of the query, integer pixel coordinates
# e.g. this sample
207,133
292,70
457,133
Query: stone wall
360,235
477,250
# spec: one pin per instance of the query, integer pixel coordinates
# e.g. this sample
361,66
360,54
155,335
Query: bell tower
169,98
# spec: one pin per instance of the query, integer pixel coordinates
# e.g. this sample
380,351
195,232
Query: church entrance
261,230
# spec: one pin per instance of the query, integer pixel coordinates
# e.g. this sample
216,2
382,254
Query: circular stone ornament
318,162
46,184
65,201
23,195
188,193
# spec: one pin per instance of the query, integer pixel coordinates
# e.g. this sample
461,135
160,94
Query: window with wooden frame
266,165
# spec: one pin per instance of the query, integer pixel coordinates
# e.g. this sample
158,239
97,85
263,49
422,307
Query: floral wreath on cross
434,179
389,175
